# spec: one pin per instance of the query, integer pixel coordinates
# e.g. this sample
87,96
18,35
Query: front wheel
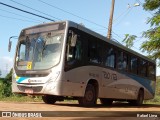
49,99
90,97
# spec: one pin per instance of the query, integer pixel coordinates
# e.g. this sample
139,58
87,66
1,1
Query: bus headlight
54,76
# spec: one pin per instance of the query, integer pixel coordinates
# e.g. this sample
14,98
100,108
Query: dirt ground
72,111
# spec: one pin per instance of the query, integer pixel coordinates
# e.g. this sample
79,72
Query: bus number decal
110,76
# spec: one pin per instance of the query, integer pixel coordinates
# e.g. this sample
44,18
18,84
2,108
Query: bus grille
32,75
35,88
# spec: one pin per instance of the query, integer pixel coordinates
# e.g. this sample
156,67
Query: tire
139,100
106,102
49,99
90,97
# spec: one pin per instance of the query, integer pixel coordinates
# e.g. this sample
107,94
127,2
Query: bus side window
99,52
133,64
142,67
125,62
73,48
122,61
92,51
110,57
151,71
22,53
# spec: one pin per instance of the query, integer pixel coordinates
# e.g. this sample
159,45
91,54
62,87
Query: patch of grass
156,100
16,98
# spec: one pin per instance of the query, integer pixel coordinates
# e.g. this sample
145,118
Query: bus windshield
39,51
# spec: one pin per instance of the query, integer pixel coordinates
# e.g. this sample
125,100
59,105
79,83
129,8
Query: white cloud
5,65
6,58
127,23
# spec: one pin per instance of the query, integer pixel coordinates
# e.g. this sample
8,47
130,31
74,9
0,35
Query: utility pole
110,20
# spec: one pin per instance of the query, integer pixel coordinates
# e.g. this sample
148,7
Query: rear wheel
90,97
49,99
139,100
106,102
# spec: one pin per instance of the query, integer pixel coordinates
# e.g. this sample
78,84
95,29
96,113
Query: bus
61,60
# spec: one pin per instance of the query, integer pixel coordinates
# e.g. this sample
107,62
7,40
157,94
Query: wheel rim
89,95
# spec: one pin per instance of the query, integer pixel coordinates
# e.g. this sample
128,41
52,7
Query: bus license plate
29,91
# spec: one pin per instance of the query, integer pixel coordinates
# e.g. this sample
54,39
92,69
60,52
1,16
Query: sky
94,14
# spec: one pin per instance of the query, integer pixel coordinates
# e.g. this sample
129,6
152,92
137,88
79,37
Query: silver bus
61,60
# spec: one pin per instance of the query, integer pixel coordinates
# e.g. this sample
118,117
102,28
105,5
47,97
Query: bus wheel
89,98
49,99
106,102
139,100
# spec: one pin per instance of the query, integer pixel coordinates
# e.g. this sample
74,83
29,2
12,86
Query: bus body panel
112,84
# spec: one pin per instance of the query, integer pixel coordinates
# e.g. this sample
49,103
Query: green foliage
5,85
9,76
158,87
128,40
151,4
156,100
1,87
6,91
152,45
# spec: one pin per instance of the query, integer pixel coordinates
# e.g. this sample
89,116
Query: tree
9,76
128,40
7,91
152,45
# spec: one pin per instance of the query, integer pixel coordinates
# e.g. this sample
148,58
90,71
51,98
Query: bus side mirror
9,45
10,42
73,40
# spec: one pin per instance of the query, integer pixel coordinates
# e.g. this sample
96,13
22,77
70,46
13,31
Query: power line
35,9
142,5
49,18
50,15
124,16
72,14
124,13
120,15
117,41
19,15
138,40
26,11
17,18
84,18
